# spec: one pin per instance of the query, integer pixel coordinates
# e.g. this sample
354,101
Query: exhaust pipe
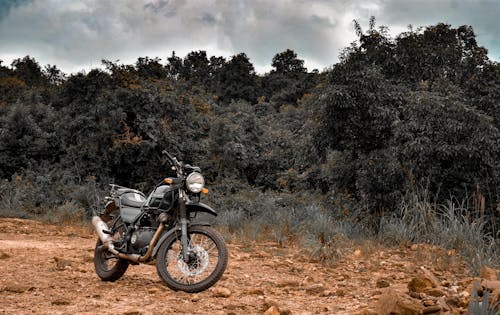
107,241
99,226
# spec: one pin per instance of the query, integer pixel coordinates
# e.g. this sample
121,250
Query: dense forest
396,122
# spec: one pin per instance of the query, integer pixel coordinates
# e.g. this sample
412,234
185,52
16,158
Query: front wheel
207,260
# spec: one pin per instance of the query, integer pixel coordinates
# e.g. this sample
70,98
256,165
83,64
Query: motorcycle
136,229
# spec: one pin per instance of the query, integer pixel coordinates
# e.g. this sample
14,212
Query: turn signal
204,190
168,181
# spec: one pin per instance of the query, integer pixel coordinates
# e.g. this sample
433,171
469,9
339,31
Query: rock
491,285
221,292
429,302
60,302
273,310
327,293
383,283
435,292
62,264
315,289
444,305
16,288
488,273
289,283
308,279
394,302
255,292
268,304
429,275
419,284
432,309
4,255
453,300
416,295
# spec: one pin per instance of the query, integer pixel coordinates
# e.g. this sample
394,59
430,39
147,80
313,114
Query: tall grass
449,225
50,199
326,230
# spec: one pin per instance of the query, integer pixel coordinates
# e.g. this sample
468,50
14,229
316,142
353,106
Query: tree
196,67
53,75
28,70
289,80
237,80
287,63
150,68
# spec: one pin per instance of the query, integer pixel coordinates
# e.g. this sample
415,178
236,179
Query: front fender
165,235
199,207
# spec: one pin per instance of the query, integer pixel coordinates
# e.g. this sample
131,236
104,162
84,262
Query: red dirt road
47,269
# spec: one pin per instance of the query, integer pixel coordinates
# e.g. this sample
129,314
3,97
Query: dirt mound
49,269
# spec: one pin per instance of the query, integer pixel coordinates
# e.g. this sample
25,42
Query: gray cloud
76,35
7,5
482,15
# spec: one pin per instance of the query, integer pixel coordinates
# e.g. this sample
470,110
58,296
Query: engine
141,238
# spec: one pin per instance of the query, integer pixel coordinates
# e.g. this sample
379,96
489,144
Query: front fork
184,226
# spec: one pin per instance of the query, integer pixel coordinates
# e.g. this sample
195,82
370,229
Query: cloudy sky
76,35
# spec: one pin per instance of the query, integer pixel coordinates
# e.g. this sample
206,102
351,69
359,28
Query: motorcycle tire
107,266
207,262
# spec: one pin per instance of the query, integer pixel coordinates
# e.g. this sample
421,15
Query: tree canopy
394,113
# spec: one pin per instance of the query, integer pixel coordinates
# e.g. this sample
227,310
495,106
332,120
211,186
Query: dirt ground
47,269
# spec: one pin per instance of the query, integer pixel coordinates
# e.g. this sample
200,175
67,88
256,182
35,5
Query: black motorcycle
135,229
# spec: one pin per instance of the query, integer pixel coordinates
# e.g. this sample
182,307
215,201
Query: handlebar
177,164
171,158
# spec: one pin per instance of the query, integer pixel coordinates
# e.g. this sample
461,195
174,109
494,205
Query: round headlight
195,182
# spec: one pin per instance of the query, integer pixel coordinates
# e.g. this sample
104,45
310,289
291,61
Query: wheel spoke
203,259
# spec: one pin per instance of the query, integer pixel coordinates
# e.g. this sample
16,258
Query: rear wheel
206,263
107,266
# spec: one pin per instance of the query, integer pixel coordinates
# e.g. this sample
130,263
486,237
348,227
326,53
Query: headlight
195,182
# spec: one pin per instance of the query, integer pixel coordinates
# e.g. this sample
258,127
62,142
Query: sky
75,35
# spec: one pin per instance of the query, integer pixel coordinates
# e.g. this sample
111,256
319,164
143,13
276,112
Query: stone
327,293
269,304
4,255
383,283
435,292
432,309
394,302
221,292
453,300
491,285
255,292
488,273
429,275
444,305
429,303
419,284
315,289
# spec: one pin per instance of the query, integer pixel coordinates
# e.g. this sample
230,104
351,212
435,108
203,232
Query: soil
48,269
